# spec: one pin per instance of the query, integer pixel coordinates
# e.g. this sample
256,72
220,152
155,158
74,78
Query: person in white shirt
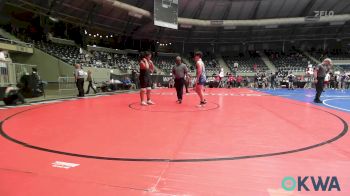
79,79
327,80
200,78
2,56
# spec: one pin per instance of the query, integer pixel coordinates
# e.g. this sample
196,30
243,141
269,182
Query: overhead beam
256,9
196,15
345,8
53,4
257,39
255,14
225,15
307,8
131,21
258,22
92,12
65,18
184,7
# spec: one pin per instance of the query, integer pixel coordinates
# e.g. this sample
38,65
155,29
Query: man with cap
179,72
319,74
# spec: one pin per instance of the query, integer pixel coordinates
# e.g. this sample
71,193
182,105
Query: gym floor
244,142
336,99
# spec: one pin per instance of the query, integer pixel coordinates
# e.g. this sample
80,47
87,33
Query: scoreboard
166,13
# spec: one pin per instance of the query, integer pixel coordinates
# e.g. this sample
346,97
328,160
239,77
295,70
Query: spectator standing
239,81
273,80
90,80
134,78
187,82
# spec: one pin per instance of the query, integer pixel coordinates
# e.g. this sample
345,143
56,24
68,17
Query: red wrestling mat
242,143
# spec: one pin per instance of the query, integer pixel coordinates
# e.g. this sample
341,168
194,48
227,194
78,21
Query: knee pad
143,89
149,88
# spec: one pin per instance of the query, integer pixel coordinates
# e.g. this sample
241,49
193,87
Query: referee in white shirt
79,79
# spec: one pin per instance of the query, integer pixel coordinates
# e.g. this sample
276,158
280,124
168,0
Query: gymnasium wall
48,66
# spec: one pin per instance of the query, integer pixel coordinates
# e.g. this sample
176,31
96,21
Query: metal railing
11,73
66,84
69,84
14,42
4,74
21,69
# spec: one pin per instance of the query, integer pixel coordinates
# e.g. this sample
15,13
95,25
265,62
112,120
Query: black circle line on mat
340,135
199,109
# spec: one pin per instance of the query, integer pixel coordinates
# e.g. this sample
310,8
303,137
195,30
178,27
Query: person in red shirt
239,81
146,68
255,67
217,78
230,81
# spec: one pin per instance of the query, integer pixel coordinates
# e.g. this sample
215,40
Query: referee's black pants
80,86
319,88
179,85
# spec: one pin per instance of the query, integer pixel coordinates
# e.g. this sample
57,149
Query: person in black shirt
319,74
273,80
290,81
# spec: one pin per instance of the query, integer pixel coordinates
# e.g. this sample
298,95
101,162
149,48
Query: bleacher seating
102,59
112,61
289,61
131,61
245,62
211,65
165,63
72,54
67,53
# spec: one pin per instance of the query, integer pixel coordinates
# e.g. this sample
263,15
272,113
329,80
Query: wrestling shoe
318,101
149,102
202,104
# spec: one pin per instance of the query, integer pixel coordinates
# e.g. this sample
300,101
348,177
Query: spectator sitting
230,81
112,81
128,84
217,78
171,83
239,81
